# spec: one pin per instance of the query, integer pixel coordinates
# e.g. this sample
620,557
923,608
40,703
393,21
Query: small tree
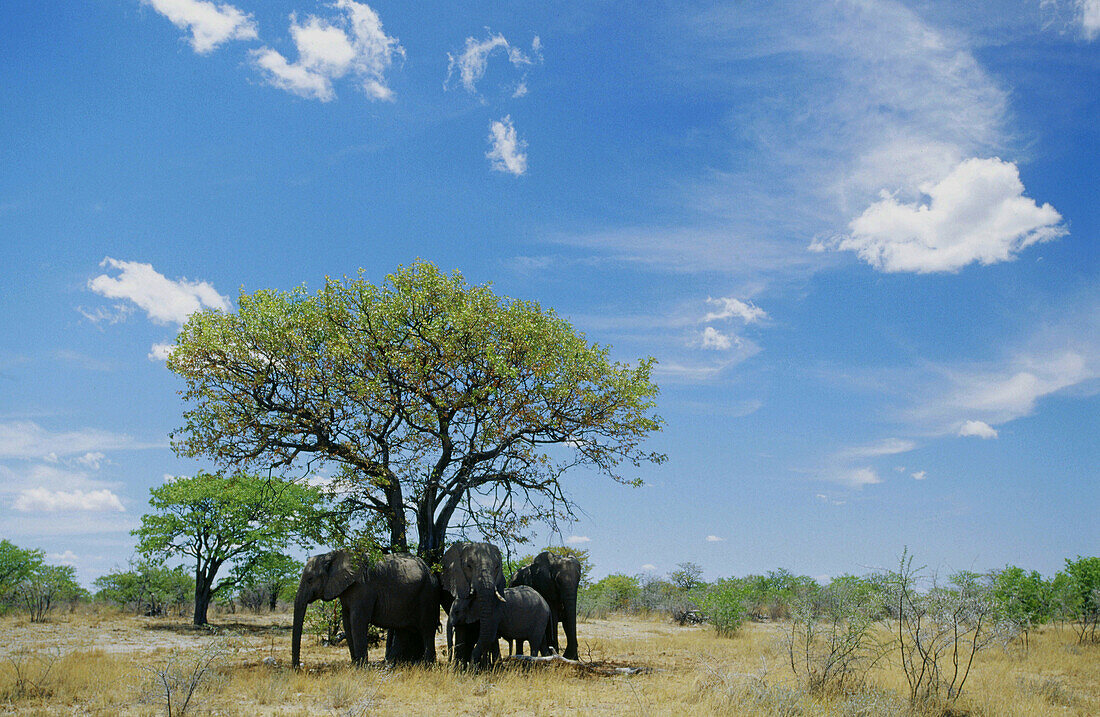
46,587
214,520
1081,593
1023,598
725,602
147,588
16,565
686,575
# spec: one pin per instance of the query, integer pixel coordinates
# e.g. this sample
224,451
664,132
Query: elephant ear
498,560
340,575
453,579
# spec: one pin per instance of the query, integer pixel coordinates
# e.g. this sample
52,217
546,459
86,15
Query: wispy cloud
506,153
27,440
578,539
210,24
730,307
715,539
52,501
352,43
470,64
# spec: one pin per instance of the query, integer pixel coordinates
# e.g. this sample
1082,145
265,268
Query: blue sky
860,237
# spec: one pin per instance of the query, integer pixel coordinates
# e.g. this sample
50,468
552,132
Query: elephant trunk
569,625
487,630
301,602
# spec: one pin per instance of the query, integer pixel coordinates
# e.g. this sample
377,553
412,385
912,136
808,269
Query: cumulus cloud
919,475
978,429
470,64
715,539
353,43
977,213
507,152
160,352
578,539
715,339
730,307
210,24
165,301
66,558
43,499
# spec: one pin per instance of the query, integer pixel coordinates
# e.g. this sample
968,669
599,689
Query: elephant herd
402,595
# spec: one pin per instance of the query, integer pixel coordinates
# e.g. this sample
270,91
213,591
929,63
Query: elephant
556,578
473,572
525,619
397,592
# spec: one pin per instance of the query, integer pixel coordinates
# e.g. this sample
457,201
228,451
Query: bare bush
32,675
173,684
830,639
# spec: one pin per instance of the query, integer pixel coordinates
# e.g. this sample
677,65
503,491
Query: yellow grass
103,663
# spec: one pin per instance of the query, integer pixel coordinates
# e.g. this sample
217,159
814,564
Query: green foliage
725,602
147,588
270,577
1079,589
16,565
423,391
1023,599
770,596
618,591
215,519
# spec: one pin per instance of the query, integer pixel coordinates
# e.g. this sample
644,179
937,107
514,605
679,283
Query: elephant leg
357,634
552,631
569,623
345,615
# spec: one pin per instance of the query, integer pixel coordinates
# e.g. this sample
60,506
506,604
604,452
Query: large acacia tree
429,397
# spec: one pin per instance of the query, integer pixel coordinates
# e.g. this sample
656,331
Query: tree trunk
202,602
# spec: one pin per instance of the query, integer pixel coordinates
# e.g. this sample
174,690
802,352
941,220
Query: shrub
725,604
1080,597
618,592
831,636
46,587
939,632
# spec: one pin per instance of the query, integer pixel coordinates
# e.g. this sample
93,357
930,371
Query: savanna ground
101,662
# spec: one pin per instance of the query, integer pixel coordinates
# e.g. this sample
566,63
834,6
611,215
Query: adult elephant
397,592
556,578
473,572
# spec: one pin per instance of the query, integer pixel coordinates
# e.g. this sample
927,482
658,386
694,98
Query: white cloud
210,24
578,539
28,440
472,62
42,499
715,539
858,477
66,558
1090,18
977,213
91,459
715,339
920,475
164,300
329,49
831,501
730,307
112,315
649,567
979,429
160,352
507,153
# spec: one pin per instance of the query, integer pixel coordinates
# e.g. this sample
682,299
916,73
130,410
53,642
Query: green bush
725,602
147,589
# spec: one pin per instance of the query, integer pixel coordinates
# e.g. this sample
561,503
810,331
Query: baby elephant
525,618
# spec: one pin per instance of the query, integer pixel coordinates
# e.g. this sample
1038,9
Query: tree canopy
426,396
216,519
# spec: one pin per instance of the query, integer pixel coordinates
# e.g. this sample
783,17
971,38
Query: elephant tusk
499,596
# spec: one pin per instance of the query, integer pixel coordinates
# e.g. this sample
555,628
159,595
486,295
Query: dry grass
109,664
